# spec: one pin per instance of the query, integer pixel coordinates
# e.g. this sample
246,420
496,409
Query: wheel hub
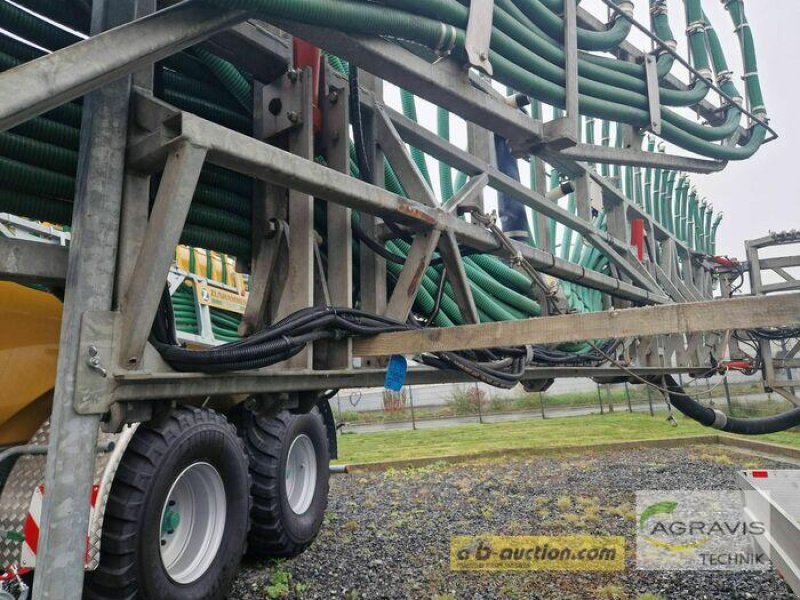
192,522
301,474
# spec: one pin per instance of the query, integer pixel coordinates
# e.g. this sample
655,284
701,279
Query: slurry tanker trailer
216,213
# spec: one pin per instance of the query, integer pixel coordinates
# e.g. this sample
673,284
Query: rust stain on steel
415,213
413,286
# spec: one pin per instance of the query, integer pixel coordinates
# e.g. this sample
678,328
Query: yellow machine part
30,325
211,265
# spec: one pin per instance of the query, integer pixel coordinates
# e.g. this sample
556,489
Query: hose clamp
447,40
706,74
658,8
696,27
720,419
724,77
626,7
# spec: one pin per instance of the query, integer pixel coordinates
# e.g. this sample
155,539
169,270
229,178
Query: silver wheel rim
301,474
192,522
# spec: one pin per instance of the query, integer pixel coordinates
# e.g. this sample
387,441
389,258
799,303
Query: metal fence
423,406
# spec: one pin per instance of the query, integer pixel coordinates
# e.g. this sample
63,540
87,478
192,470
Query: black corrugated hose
719,420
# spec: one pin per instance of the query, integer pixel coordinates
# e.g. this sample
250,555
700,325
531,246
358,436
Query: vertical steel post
334,99
298,291
541,404
727,394
89,287
478,398
411,401
650,400
600,399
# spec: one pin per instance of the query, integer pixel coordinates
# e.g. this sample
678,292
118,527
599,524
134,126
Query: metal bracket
653,93
479,34
276,242
281,105
93,383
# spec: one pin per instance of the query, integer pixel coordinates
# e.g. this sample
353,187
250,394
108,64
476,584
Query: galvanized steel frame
131,371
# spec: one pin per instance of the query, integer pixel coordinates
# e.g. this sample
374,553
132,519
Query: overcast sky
757,195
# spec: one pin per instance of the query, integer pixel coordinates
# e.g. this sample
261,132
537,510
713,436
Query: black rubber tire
275,529
130,560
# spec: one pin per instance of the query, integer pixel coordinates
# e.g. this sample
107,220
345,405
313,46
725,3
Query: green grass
531,434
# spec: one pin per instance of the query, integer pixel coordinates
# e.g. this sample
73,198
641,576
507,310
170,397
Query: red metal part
308,55
738,365
725,261
637,237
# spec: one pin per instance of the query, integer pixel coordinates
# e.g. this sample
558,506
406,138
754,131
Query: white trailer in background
777,503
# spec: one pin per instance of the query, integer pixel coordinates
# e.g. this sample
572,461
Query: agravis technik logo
709,530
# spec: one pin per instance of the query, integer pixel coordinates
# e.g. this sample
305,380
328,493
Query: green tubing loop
605,140
38,159
221,241
617,169
511,57
714,229
35,207
553,24
752,83
38,154
70,14
513,70
33,180
29,27
215,218
409,105
445,172
208,110
229,75
186,84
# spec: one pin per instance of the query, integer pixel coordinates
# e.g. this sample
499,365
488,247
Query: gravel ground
387,535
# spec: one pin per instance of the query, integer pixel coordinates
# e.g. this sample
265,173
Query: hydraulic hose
718,420
515,65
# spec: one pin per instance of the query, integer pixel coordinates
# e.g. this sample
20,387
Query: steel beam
298,288
26,261
421,138
55,79
414,184
479,34
718,315
335,101
445,83
90,285
638,158
167,219
410,279
372,267
159,385
245,155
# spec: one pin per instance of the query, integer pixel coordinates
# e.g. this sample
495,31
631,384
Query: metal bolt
293,116
163,542
333,96
93,362
483,56
292,75
171,503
